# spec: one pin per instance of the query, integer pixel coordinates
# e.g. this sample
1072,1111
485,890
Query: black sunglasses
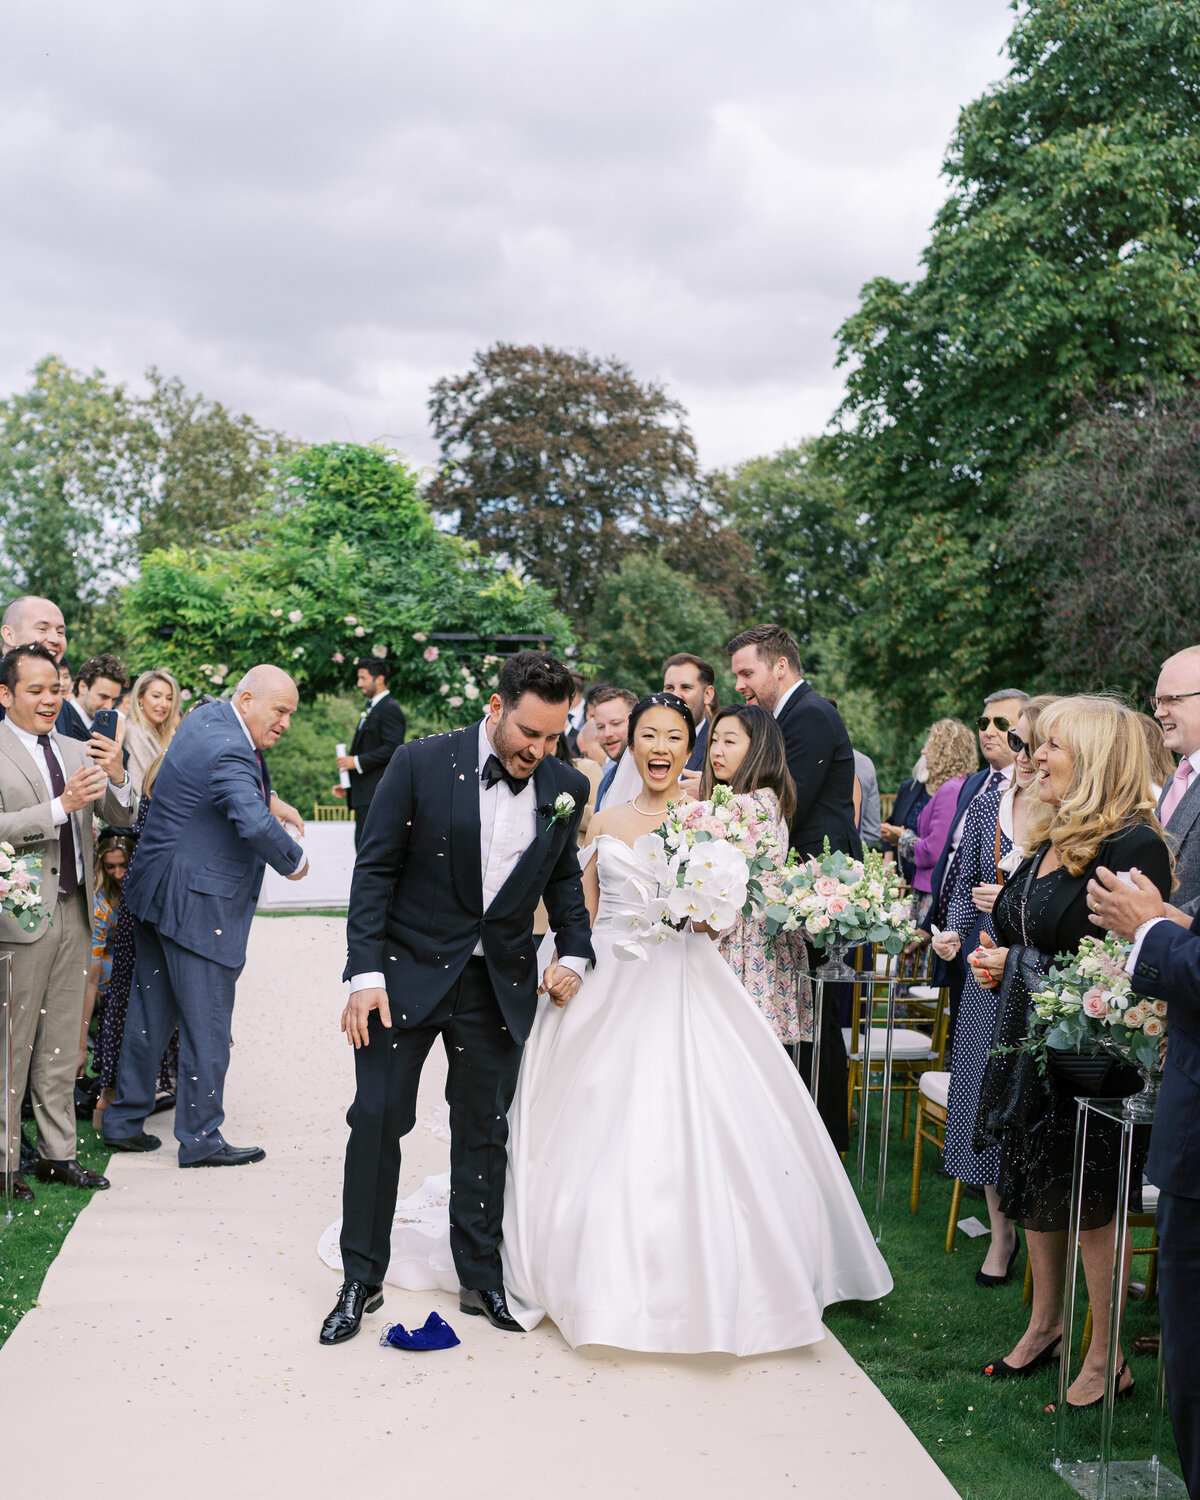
1016,744
1000,722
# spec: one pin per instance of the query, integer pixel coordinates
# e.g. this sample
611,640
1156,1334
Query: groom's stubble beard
510,753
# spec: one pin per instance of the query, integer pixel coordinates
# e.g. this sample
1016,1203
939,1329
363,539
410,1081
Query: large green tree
565,464
1065,261
353,567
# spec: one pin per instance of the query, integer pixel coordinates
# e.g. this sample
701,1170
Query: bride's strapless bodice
626,883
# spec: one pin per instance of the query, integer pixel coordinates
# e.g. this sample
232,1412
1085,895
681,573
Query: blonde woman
154,707
950,756
1094,808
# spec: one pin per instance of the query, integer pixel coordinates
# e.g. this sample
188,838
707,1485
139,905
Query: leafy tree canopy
353,567
561,463
1064,261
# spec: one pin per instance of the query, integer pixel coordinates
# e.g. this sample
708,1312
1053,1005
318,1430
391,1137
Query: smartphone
105,723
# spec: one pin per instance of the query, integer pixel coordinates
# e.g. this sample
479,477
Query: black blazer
70,723
695,761
374,742
1168,968
822,766
416,901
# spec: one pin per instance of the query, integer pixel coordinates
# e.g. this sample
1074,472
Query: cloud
313,212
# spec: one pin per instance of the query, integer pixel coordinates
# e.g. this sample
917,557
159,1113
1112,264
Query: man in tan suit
48,787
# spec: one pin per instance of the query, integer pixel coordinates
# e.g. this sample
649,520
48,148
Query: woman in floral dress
746,753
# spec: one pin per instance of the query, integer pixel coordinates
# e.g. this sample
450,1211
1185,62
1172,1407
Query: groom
468,831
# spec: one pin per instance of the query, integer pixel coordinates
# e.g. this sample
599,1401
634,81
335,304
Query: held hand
106,754
946,945
987,962
984,896
287,815
1120,908
298,874
358,1012
83,787
561,984
690,783
339,792
345,763
890,832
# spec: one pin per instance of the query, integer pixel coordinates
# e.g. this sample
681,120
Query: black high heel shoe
983,1279
1000,1369
1123,1392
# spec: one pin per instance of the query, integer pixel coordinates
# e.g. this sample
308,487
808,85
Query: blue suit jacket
1168,968
208,834
695,761
940,971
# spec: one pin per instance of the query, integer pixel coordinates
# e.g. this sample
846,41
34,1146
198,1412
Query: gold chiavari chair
332,812
933,1093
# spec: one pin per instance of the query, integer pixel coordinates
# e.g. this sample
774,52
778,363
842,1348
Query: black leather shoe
71,1173
229,1156
21,1190
489,1305
354,1299
142,1142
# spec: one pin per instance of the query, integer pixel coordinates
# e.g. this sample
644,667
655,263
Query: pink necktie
1179,784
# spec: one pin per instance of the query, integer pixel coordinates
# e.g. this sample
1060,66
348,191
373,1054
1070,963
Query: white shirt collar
30,741
784,696
82,712
1194,757
245,728
377,698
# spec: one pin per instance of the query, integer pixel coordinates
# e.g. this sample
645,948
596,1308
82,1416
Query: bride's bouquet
842,902
1088,1005
20,887
712,862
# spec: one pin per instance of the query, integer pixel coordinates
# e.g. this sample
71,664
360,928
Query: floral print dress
774,971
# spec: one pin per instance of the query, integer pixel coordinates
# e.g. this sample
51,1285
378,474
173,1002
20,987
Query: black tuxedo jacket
70,723
822,766
375,741
416,901
1168,968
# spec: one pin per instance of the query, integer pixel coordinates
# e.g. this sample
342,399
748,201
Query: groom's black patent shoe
354,1299
489,1305
229,1156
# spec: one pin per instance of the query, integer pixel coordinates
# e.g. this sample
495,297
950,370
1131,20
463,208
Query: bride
671,1187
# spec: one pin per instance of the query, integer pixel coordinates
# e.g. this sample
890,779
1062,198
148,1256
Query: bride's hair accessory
434,1333
664,700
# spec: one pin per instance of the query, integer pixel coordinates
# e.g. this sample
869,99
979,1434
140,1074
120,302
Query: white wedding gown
671,1187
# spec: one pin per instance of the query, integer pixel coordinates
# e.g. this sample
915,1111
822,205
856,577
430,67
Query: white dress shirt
507,825
781,702
957,831
82,712
58,813
376,699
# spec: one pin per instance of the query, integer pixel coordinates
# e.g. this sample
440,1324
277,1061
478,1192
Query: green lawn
33,1239
926,1344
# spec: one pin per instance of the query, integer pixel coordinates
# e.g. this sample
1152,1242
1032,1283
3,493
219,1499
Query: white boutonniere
561,809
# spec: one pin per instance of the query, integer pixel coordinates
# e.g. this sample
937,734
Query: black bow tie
494,771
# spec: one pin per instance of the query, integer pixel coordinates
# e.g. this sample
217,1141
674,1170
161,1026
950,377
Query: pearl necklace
645,814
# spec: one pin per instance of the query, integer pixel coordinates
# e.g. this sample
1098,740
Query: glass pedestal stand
1100,1478
837,971
12,1105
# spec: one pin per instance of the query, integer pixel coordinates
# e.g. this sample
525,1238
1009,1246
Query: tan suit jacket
26,822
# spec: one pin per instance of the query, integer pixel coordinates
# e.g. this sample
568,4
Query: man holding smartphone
49,785
98,684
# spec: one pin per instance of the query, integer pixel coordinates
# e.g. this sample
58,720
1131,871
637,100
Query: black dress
1036,1163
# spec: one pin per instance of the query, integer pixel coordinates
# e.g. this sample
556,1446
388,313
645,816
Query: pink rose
1154,1026
825,885
1094,1004
1159,1007
338,657
695,816
836,905
431,653
3,886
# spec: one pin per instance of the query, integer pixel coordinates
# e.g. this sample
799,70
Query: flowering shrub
353,567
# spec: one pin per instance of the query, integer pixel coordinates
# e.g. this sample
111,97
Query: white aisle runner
176,1337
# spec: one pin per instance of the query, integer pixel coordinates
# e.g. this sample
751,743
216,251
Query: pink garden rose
1154,1026
836,905
1134,1017
431,653
1094,1004
826,885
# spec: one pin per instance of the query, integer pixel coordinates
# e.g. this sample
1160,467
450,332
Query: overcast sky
311,212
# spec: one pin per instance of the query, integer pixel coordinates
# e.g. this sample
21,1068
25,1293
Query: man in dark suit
192,891
469,831
1165,965
381,728
1177,709
765,661
98,684
694,680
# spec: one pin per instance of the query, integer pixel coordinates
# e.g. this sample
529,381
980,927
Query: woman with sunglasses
991,847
